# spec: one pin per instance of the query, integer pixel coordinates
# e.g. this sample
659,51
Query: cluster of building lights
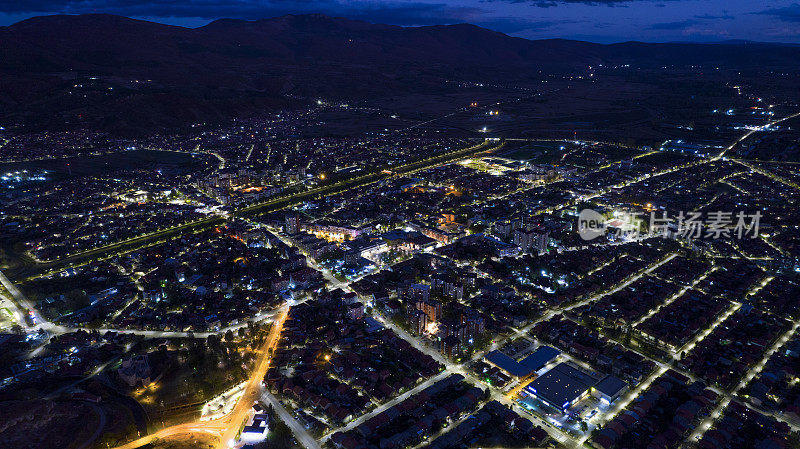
21,176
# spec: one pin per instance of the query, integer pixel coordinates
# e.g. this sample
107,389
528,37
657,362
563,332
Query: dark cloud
555,3
672,26
602,2
723,16
789,13
516,25
395,13
253,8
687,17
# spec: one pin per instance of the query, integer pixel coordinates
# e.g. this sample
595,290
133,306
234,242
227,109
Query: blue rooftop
540,358
507,364
529,364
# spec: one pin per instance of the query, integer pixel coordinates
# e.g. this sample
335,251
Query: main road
226,428
270,205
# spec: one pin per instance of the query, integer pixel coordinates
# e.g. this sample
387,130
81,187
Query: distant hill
232,67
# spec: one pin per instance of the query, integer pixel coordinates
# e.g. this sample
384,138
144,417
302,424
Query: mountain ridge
237,66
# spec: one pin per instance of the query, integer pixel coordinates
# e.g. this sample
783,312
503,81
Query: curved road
226,428
103,419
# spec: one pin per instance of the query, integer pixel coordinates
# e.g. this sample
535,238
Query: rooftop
541,357
526,366
560,386
610,385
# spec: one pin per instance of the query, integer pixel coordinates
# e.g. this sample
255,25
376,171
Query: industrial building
564,386
525,367
561,387
609,389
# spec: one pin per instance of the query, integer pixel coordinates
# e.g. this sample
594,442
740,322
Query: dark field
107,163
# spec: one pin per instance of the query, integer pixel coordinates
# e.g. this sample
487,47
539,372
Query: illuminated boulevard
226,429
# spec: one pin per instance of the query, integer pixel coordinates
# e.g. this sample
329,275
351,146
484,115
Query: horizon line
164,21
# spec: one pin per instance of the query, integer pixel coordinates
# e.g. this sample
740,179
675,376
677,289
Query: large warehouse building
525,367
561,387
564,386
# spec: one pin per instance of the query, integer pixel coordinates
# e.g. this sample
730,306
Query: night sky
598,21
